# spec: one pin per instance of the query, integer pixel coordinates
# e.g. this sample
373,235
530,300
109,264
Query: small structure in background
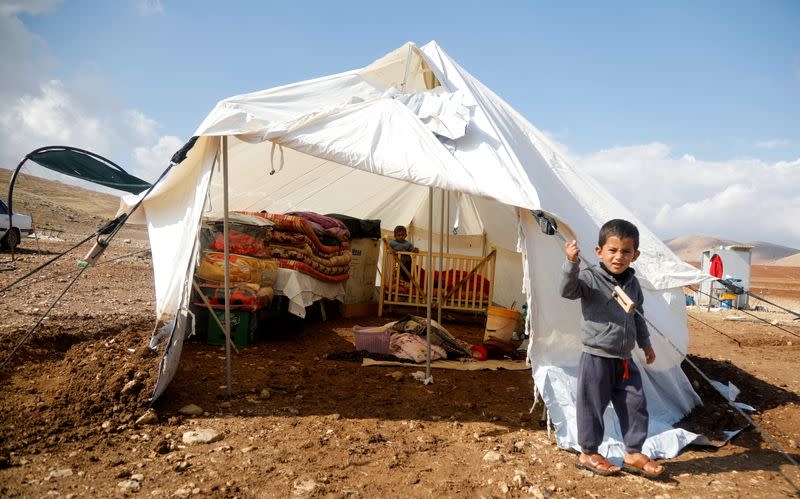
726,262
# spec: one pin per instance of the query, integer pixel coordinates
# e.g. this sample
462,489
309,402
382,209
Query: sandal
643,465
597,464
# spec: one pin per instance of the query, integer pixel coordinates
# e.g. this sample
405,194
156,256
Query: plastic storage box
243,328
372,339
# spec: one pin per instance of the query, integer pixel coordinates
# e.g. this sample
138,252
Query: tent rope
753,315
60,274
736,289
45,264
111,228
31,330
549,227
715,329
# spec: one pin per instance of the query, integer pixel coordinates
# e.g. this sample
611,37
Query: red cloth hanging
716,267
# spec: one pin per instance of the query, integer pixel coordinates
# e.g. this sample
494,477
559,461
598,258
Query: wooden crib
463,283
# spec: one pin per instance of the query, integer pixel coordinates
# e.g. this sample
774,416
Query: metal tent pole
429,285
448,222
226,238
441,261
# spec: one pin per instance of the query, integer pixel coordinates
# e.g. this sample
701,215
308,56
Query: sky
688,112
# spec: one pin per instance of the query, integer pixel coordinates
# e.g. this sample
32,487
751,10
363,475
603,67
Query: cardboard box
243,328
360,287
348,310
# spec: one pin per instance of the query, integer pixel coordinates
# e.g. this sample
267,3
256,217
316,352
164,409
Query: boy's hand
415,250
572,251
649,354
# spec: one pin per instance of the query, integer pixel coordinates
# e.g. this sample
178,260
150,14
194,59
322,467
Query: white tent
369,143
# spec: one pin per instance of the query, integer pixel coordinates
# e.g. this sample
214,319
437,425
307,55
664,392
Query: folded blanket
241,243
289,223
241,268
309,270
324,225
243,296
412,347
305,254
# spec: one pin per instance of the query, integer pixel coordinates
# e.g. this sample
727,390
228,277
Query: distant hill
58,206
690,249
789,261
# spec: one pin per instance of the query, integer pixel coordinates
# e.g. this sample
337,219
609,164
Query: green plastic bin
243,328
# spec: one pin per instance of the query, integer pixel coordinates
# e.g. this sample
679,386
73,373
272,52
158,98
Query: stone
191,410
305,487
149,417
163,446
130,386
395,375
129,485
493,457
64,472
201,437
182,492
264,394
520,479
535,492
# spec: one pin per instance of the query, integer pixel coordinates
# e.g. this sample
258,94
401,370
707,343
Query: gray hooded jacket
606,330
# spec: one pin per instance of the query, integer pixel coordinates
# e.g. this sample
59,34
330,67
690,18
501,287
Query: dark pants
600,381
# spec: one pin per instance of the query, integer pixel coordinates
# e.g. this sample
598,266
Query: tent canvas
369,143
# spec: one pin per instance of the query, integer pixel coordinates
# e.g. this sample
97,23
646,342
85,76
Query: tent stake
227,264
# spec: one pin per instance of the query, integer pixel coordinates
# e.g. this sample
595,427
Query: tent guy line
755,316
110,229
738,344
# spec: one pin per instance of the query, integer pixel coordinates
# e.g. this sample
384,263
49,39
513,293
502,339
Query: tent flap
88,166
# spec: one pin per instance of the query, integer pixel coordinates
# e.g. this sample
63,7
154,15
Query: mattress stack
251,270
313,244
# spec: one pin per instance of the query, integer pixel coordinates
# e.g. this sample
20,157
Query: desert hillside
789,261
690,248
59,207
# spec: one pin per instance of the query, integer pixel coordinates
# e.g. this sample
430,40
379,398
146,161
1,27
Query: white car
12,233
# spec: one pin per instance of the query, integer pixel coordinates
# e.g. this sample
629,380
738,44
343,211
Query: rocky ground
75,418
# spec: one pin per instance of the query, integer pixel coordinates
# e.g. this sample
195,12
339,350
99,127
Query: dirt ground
300,424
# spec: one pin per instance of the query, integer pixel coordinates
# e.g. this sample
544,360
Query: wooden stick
624,300
471,273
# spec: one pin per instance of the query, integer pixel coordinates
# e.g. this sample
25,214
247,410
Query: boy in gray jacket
605,371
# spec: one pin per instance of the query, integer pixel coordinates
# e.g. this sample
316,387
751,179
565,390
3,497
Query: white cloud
154,160
85,113
150,7
145,127
740,199
773,143
16,7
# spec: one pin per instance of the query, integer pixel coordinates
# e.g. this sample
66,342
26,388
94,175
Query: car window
3,208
